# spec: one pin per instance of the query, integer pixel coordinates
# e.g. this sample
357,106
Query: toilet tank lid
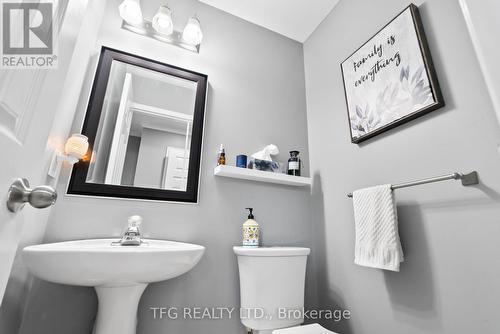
271,251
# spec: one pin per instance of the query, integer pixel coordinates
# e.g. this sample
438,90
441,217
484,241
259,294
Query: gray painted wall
450,234
256,97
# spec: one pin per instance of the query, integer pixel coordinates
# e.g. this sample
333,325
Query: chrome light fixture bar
161,26
146,29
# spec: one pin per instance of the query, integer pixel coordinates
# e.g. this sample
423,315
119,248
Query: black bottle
294,163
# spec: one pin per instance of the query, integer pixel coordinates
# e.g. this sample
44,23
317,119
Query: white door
175,169
29,100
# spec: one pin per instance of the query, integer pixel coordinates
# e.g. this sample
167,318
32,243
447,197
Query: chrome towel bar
467,180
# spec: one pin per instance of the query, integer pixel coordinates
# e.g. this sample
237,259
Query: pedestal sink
119,273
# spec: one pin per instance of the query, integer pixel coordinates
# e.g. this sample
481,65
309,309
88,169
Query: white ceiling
296,19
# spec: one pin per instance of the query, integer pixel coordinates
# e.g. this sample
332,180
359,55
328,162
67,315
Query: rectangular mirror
145,127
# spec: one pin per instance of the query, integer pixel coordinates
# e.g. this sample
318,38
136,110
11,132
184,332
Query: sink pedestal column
117,310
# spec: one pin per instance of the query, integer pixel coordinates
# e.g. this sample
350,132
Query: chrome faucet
132,236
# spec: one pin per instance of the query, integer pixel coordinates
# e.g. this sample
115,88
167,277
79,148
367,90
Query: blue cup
241,161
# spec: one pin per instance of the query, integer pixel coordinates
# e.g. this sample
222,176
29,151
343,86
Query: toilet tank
272,281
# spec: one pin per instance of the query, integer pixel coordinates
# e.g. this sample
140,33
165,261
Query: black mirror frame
79,186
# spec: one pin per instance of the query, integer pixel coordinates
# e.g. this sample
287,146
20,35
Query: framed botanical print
390,79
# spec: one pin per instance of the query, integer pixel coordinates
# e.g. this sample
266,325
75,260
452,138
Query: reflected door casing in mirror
144,122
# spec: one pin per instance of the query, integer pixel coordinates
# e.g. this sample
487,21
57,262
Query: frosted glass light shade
162,21
192,32
130,11
76,146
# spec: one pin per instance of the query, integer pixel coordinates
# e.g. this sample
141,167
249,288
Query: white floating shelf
257,175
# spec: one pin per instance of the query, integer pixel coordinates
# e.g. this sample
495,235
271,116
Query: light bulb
192,32
130,11
162,21
76,146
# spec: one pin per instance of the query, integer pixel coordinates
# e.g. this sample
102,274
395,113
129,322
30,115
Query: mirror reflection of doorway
146,130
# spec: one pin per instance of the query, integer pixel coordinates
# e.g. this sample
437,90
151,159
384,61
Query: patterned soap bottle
251,231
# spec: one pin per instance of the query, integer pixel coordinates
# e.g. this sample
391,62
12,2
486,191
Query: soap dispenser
251,231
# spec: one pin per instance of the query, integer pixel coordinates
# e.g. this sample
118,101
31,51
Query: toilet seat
306,329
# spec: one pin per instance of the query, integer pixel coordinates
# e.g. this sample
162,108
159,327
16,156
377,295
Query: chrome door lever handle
20,193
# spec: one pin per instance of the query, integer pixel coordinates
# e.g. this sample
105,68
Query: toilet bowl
307,329
272,281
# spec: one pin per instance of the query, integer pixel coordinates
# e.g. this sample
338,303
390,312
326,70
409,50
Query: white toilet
272,281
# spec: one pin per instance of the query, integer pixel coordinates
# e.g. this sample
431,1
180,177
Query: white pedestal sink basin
119,273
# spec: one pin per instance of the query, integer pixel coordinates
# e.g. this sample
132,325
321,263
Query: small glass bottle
294,163
221,157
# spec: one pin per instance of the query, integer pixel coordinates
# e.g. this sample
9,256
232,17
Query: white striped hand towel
376,221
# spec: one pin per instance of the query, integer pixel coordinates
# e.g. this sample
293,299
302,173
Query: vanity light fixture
161,27
130,11
74,150
192,31
162,21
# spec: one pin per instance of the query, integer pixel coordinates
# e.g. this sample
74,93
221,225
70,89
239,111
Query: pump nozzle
250,216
